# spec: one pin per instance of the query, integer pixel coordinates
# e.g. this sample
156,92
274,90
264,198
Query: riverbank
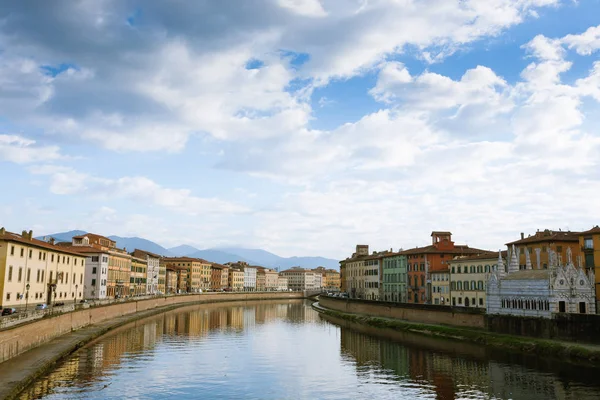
575,352
18,372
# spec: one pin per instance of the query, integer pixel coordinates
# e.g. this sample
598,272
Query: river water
286,350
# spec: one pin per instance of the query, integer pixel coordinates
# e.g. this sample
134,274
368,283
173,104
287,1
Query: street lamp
27,295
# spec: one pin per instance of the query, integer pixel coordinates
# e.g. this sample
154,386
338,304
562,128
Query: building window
12,250
52,258
480,301
588,243
38,275
20,274
7,296
30,253
10,270
94,270
458,271
561,306
40,256
42,276
28,274
22,252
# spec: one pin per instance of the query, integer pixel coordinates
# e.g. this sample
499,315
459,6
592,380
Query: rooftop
548,235
528,274
595,229
485,256
431,249
27,239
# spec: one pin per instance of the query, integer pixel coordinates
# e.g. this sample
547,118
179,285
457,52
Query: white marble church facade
562,288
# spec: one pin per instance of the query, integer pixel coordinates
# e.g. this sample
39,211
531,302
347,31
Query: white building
318,284
301,278
96,272
282,283
153,269
249,278
562,288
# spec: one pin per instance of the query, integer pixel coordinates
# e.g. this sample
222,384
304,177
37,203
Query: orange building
219,276
435,257
535,248
589,243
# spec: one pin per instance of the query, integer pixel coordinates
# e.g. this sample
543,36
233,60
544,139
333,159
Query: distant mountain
132,243
221,257
183,250
218,255
270,260
62,236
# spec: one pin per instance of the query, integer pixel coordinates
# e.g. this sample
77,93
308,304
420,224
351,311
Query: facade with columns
560,288
536,248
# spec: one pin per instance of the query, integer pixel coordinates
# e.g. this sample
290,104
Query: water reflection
284,349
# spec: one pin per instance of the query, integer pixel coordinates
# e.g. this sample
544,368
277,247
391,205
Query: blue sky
302,129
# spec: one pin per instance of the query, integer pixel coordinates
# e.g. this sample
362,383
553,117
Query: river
286,350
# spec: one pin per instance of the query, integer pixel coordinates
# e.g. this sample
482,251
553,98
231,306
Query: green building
394,278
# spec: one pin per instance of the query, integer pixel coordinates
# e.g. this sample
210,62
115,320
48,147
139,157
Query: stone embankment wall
18,339
577,327
428,314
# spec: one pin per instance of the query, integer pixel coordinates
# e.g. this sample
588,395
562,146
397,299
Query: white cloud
309,8
139,189
585,43
20,150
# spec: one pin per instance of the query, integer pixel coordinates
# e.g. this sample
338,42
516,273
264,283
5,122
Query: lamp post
26,295
76,292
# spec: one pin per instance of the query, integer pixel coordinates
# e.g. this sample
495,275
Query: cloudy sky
302,127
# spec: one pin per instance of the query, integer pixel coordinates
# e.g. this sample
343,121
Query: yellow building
331,278
535,247
589,243
119,262
137,282
34,272
266,279
468,279
440,287
198,272
236,280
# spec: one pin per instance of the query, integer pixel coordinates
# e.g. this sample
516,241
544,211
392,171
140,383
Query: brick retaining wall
429,314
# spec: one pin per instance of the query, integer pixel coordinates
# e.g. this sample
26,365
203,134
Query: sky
302,127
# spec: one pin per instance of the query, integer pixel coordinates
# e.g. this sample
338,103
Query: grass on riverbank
542,347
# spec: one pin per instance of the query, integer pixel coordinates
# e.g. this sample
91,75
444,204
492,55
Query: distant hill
270,260
132,243
183,250
218,255
62,236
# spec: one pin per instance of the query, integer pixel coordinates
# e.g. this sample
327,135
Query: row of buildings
549,271
92,267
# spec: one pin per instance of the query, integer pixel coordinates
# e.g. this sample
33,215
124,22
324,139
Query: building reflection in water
451,377
97,362
437,369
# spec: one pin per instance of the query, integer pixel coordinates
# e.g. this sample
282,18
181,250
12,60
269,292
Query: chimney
30,235
24,234
2,231
51,240
522,235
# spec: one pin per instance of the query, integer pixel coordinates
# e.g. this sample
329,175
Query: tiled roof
549,236
14,237
484,256
85,249
431,249
595,229
527,274
93,236
145,252
441,233
185,259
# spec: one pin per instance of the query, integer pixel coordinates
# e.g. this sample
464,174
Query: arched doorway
466,302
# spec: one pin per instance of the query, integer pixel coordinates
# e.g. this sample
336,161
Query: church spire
513,265
500,266
527,259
